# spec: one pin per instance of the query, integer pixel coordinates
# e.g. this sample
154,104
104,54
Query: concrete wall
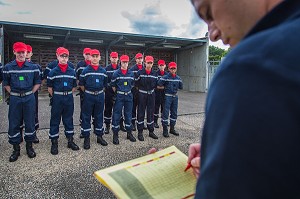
192,68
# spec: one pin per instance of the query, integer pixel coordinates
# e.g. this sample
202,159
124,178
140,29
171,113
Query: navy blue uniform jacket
251,137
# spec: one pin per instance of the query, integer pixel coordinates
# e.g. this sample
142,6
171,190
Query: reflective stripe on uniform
61,76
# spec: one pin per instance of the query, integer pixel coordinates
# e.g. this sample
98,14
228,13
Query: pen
187,167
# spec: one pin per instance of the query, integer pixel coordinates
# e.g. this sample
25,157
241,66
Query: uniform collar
287,9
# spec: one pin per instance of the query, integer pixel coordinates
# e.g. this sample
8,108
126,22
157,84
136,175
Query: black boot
15,154
140,136
130,136
165,131
172,130
106,130
30,151
152,135
54,147
101,141
81,136
115,138
86,143
122,128
133,126
71,144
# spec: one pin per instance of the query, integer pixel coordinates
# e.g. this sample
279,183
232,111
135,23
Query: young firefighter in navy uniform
21,79
135,68
109,93
81,65
61,83
52,65
159,93
93,81
146,81
122,82
171,83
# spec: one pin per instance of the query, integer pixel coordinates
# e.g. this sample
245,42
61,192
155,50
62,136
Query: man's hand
194,158
50,91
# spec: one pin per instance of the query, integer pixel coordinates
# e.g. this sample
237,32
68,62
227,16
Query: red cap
114,54
149,59
94,52
20,47
87,51
58,49
29,48
62,50
172,65
124,58
139,55
161,62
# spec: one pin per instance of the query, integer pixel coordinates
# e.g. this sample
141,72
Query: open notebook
158,175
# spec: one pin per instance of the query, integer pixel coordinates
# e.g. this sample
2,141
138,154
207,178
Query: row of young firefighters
112,93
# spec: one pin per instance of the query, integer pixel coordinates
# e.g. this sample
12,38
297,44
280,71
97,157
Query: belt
93,92
63,93
123,93
146,92
21,94
170,95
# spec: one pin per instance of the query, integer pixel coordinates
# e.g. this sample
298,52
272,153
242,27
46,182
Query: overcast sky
175,18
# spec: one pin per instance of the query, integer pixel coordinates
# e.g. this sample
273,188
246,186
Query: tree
216,53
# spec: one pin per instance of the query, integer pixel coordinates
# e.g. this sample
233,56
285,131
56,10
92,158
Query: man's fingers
195,162
152,150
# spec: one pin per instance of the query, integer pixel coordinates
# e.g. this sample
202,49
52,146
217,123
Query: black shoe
106,130
81,136
101,141
30,151
152,135
72,145
133,126
140,136
173,131
130,136
15,154
115,138
86,143
54,147
156,125
165,131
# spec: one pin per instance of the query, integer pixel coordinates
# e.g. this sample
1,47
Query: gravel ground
70,173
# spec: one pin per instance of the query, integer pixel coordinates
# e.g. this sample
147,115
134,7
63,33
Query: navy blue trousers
126,102
159,103
146,101
20,108
62,109
171,106
109,102
92,105
135,93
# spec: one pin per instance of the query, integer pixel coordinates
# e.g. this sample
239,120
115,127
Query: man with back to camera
250,142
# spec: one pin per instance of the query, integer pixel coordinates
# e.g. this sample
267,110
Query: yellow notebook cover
158,175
